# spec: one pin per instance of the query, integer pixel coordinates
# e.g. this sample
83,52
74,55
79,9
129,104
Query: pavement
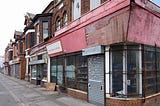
27,94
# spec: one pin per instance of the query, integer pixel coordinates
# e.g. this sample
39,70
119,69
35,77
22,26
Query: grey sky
12,17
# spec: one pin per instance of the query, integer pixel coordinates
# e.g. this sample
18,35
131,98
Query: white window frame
45,35
76,9
37,34
93,4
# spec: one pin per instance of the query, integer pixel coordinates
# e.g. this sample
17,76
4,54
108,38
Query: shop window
44,72
33,72
60,70
82,72
133,72
58,23
158,68
150,70
117,72
75,71
53,70
39,71
45,30
125,71
65,18
70,71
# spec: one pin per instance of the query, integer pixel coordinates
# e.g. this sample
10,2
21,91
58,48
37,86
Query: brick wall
108,30
23,67
59,13
121,102
77,94
41,32
153,100
85,6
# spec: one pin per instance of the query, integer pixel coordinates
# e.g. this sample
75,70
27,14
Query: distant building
14,57
2,61
8,57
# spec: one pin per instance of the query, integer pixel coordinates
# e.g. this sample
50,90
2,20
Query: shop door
39,71
96,80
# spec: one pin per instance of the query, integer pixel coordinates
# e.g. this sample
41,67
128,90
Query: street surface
15,92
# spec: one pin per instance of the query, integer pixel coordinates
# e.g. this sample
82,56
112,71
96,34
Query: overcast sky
12,17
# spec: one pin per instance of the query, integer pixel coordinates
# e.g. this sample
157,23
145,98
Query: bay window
65,18
37,34
45,30
134,71
150,73
58,23
125,71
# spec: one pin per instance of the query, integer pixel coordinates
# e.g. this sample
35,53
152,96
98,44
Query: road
6,98
16,92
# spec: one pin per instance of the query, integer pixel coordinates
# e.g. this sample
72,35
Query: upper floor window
94,4
26,40
57,1
45,30
37,35
32,41
65,18
21,47
76,10
58,23
11,55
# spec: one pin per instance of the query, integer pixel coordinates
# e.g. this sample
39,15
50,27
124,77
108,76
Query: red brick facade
152,100
77,94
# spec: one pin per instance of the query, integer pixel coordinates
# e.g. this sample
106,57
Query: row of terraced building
106,52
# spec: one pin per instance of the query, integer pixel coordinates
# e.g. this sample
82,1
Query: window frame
45,30
58,23
37,34
79,67
125,73
93,6
65,18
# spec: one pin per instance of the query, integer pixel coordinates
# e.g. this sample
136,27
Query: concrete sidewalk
33,95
